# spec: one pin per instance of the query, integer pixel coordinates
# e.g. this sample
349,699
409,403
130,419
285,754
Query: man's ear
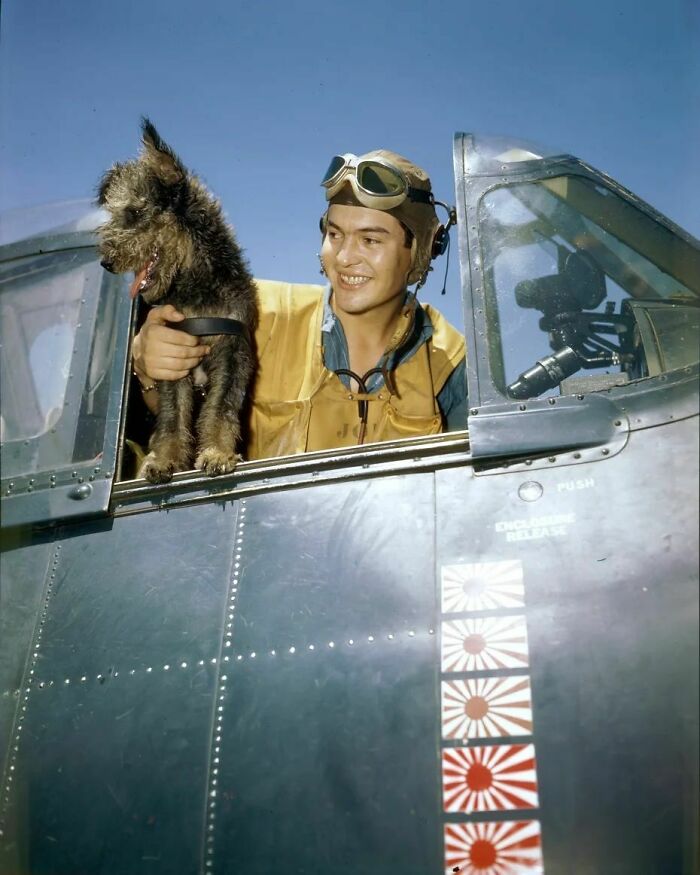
159,156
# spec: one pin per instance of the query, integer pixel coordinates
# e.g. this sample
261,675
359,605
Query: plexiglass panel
57,332
572,273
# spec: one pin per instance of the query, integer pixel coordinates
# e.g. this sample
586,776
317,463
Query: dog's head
147,202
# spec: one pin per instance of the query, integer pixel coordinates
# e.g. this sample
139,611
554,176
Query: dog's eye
132,215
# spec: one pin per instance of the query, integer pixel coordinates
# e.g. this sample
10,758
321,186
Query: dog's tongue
136,285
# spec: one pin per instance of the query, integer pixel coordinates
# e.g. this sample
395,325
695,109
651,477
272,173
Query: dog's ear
168,196
105,183
159,156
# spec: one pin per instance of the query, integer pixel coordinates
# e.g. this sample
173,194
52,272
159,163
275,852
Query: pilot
359,360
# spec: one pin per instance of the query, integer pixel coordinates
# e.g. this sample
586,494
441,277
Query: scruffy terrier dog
162,217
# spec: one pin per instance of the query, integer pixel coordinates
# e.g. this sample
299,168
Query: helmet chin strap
422,280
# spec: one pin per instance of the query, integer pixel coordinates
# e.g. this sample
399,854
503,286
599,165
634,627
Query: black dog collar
211,325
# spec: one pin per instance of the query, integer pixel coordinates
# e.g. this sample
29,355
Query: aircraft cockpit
571,287
64,330
614,292
446,653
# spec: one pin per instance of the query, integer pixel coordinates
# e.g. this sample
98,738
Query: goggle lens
379,180
336,165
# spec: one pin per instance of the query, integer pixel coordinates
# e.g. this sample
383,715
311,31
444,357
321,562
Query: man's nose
347,254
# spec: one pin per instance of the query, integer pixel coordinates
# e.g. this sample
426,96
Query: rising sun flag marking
484,643
482,586
486,707
506,848
497,778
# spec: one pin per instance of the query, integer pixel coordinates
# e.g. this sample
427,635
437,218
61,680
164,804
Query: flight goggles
377,183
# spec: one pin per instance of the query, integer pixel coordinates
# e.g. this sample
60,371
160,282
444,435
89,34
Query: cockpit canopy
50,220
490,155
584,286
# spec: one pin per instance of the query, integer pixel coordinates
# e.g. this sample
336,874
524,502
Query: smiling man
361,360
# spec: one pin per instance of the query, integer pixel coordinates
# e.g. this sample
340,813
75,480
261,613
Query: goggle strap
419,195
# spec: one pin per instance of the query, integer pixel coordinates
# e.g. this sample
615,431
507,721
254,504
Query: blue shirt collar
335,347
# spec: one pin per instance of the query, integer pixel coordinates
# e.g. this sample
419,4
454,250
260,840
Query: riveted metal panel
111,776
116,706
601,561
328,728
23,575
138,589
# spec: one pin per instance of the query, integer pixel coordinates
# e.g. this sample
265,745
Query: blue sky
257,97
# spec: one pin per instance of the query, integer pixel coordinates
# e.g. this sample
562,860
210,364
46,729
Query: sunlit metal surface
420,657
277,663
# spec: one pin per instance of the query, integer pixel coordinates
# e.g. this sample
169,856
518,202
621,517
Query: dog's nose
108,265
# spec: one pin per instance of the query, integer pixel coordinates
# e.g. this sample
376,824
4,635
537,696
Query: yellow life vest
298,405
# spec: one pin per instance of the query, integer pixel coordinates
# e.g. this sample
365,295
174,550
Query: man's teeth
353,280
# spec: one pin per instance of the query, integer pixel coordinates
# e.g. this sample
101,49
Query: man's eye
371,240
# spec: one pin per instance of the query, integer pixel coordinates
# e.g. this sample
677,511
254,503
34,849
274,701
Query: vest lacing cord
363,404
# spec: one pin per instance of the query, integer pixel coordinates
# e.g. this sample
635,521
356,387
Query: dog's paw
213,461
157,470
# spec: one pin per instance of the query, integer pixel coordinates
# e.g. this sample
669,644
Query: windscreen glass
57,341
583,286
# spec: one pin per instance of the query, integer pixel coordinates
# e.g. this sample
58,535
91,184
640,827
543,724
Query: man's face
366,259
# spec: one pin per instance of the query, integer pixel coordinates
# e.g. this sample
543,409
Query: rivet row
36,646
222,680
331,645
103,677
184,665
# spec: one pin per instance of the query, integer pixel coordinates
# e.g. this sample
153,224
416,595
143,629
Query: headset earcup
439,242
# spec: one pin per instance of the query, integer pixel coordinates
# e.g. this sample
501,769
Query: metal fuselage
448,654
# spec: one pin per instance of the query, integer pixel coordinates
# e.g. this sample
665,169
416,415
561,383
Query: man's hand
162,353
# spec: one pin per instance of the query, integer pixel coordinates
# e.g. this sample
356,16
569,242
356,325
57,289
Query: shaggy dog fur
162,217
